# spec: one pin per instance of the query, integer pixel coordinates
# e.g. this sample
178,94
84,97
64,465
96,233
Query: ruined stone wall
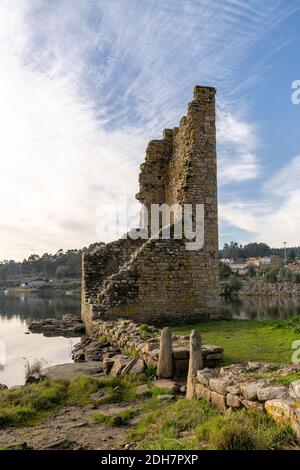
160,281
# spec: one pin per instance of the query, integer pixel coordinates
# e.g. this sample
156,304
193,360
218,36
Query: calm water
261,308
17,310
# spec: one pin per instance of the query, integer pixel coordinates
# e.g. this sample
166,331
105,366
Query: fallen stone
119,363
270,393
69,371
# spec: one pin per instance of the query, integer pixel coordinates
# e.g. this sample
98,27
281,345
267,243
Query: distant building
32,282
253,262
239,268
272,262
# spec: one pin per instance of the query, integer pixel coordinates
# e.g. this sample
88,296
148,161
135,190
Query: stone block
233,401
294,390
219,385
219,401
270,393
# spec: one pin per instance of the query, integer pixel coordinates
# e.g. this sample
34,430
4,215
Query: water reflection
261,308
16,312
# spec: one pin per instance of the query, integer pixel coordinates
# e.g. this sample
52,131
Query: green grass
247,340
29,404
110,420
195,424
245,430
32,403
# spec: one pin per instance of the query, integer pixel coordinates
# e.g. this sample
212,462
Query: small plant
34,367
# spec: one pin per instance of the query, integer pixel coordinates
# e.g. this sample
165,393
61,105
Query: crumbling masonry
159,281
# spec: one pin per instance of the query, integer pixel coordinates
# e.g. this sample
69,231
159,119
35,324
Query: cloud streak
85,85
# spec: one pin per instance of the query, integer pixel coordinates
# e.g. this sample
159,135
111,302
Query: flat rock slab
167,384
71,370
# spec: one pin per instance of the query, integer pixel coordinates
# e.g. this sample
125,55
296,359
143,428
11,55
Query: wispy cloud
85,85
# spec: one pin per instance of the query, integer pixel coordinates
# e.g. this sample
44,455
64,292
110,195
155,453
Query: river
18,309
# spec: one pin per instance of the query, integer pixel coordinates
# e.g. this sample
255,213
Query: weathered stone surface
253,405
233,401
234,389
249,390
270,393
294,390
119,363
219,385
218,401
165,361
159,280
195,362
142,390
204,375
201,391
69,371
166,384
280,410
180,353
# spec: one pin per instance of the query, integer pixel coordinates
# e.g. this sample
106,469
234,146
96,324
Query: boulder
69,371
270,393
280,410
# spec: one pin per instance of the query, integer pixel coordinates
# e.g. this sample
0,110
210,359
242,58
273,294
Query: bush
271,276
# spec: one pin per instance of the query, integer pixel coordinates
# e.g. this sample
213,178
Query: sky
85,84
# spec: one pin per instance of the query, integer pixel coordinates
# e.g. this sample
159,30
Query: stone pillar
195,363
165,361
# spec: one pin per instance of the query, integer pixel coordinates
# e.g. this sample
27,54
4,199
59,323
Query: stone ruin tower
159,281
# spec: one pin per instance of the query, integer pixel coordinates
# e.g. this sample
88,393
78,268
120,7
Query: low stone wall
144,341
270,289
236,387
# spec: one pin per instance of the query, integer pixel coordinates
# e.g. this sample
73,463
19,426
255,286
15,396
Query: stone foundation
143,341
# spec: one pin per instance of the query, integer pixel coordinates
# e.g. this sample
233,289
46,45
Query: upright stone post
165,361
195,363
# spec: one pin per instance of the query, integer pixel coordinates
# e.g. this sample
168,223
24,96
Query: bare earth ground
71,427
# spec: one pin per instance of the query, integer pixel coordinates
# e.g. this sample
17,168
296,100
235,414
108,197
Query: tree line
256,250
61,264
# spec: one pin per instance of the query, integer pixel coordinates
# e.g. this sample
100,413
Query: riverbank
127,413
262,288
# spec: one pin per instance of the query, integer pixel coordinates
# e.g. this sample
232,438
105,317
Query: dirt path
71,427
